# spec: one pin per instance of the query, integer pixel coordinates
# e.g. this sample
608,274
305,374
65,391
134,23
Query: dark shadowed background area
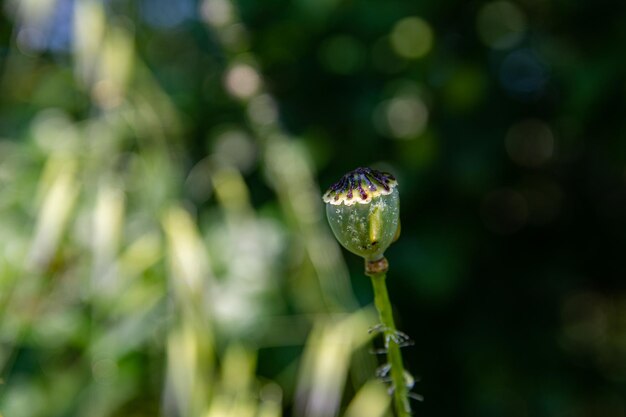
163,243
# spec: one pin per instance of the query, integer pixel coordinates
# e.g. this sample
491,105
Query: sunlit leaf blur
164,249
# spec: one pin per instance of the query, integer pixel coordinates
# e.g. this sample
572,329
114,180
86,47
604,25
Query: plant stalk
378,274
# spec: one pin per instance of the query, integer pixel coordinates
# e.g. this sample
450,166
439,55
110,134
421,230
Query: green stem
394,357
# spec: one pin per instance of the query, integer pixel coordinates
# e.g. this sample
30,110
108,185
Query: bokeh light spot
412,38
402,117
236,147
523,75
242,81
216,12
530,143
30,40
501,24
263,110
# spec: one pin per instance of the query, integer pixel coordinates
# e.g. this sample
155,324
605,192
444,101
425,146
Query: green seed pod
363,210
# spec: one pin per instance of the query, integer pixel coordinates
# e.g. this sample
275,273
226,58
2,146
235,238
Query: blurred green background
163,248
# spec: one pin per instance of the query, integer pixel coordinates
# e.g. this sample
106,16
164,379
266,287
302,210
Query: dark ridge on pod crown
360,186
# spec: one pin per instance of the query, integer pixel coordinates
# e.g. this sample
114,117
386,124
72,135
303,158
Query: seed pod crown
360,186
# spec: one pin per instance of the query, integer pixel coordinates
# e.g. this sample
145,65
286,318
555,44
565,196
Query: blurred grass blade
326,362
55,210
372,400
89,32
108,219
187,255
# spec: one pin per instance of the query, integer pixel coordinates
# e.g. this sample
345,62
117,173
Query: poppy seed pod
363,210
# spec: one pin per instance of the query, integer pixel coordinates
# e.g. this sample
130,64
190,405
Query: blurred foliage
163,245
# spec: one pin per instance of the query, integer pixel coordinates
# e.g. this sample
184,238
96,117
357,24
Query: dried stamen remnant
343,192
